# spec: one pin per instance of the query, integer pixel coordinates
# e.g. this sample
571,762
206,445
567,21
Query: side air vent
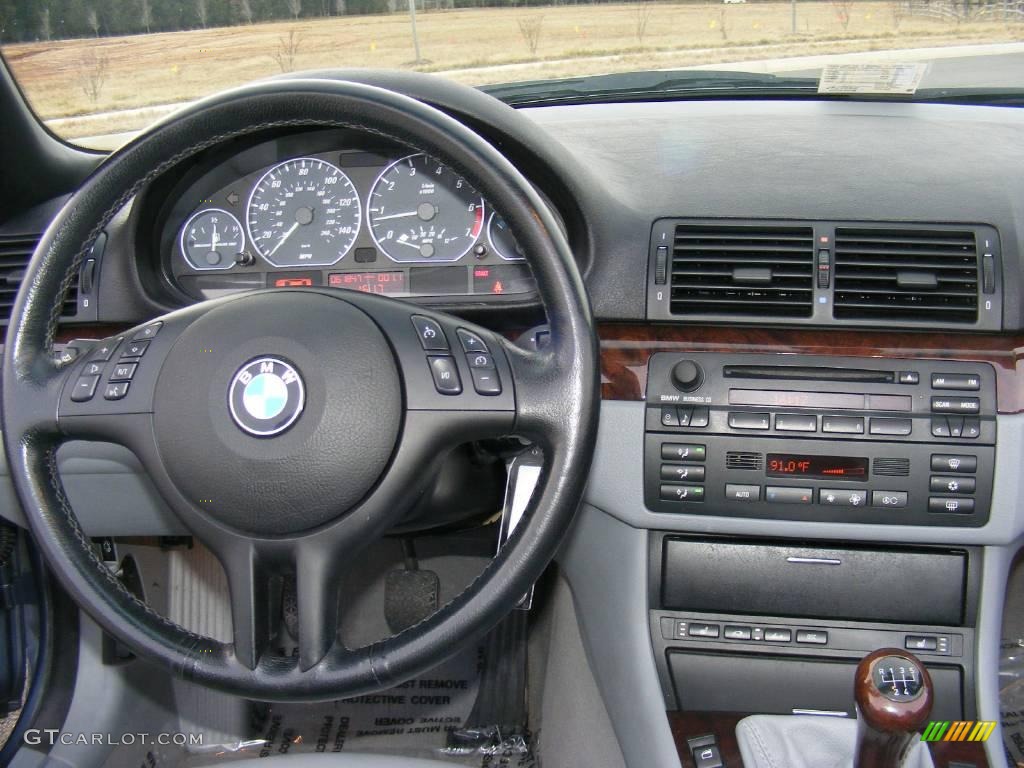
742,271
743,460
893,275
15,252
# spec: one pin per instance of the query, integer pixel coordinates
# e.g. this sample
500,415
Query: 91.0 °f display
819,467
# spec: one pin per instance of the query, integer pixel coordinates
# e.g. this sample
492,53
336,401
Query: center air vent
742,271
927,275
15,252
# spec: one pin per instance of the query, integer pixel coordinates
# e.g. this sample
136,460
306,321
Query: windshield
97,71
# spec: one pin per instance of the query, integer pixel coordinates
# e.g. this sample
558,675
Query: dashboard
334,208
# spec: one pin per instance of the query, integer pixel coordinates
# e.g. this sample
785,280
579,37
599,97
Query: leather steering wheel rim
556,394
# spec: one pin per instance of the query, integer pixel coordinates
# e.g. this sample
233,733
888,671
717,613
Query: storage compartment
904,586
712,682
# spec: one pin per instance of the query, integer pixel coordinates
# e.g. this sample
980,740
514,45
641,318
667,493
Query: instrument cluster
326,209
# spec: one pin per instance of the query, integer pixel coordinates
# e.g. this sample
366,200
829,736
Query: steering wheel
289,428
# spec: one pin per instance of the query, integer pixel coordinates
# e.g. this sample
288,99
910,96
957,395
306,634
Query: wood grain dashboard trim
626,349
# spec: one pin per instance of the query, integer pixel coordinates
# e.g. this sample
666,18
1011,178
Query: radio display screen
818,467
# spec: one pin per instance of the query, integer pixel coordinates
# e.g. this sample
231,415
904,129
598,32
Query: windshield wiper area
650,86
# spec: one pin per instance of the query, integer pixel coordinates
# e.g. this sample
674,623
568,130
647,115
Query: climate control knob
686,375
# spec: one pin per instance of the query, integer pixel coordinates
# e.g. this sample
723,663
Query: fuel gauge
502,239
211,238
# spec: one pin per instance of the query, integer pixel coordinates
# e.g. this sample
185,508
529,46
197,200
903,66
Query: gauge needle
281,241
406,242
397,215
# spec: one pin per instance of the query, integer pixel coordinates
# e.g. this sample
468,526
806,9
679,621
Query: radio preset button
964,381
847,425
749,420
895,427
951,506
958,485
683,452
682,492
736,492
836,497
682,473
945,462
784,495
964,405
892,499
796,422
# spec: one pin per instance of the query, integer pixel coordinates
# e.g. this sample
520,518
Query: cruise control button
116,390
965,381
784,495
965,405
446,375
84,389
135,349
480,360
888,499
960,484
682,492
951,506
812,636
148,332
682,473
430,334
485,381
123,371
836,497
897,427
470,341
847,425
777,635
683,452
737,492
748,420
944,462
736,633
796,422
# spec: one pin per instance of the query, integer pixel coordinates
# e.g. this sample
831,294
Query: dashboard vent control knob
687,375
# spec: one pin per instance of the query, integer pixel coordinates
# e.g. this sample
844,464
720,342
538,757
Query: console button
778,635
446,375
683,452
148,332
748,420
702,630
783,495
972,428
669,416
890,426
960,485
940,426
123,371
945,462
848,425
888,498
965,381
956,425
470,341
430,334
908,377
480,360
735,492
812,636
485,381
951,506
682,473
115,390
835,497
796,422
707,757
965,405
921,643
104,351
682,493
736,633
700,416
135,349
683,415
686,375
84,389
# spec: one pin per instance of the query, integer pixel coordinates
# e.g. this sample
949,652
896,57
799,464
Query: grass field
88,76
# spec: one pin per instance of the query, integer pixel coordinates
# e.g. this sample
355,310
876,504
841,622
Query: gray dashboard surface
787,159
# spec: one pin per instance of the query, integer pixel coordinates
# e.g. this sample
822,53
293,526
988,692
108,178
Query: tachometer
421,210
211,238
303,212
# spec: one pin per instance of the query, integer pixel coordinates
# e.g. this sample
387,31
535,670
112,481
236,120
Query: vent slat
15,253
704,258
869,264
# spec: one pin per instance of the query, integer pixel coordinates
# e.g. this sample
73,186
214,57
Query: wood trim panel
626,349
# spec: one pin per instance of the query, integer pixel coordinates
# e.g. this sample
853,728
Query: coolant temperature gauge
211,238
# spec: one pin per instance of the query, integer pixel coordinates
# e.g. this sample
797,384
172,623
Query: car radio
842,439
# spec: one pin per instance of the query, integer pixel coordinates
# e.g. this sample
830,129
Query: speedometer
421,210
303,212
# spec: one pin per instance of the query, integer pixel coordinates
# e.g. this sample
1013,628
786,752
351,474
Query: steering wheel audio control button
148,332
446,375
486,381
115,390
135,349
123,372
431,336
471,342
84,389
105,350
93,368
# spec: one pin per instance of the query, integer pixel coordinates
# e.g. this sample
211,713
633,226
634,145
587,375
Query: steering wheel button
135,349
480,360
486,381
115,391
104,350
430,334
92,368
123,372
148,332
471,342
446,375
84,388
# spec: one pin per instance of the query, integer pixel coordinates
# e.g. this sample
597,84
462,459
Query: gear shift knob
894,695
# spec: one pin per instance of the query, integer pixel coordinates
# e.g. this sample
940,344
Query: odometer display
303,213
385,283
817,467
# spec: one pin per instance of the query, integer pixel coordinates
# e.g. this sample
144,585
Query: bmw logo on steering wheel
266,396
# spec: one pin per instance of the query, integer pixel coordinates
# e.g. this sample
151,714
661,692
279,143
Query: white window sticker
871,78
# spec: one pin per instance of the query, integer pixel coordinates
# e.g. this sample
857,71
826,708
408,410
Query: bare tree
145,15
92,18
898,11
244,10
723,24
530,28
202,12
842,10
287,49
294,8
341,7
45,30
644,9
93,73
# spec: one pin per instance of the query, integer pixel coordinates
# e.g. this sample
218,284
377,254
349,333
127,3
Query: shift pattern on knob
897,678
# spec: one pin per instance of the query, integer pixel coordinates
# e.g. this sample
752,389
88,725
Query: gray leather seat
341,760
